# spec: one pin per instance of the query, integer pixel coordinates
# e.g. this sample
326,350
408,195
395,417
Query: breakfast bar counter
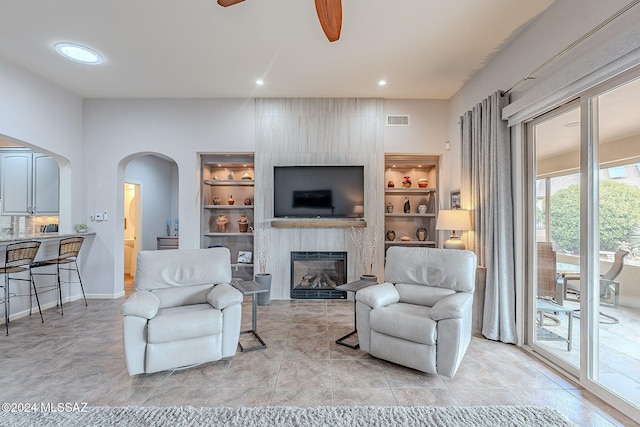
10,238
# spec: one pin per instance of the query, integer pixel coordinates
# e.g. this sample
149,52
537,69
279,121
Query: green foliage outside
619,216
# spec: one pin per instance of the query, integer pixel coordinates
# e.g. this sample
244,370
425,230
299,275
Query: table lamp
453,220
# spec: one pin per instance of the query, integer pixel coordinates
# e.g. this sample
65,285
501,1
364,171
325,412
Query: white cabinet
228,192
30,184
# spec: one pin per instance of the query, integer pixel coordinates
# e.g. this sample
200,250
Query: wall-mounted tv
318,191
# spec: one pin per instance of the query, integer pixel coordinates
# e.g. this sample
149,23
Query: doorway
132,231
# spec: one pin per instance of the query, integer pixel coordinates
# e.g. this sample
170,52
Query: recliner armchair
183,312
421,317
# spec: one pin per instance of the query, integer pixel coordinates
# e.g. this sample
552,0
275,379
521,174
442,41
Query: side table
546,306
353,287
251,288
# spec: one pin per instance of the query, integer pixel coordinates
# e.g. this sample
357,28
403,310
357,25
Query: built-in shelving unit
222,177
397,191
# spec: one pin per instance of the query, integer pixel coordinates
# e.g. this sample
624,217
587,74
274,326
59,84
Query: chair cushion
175,268
184,295
421,295
407,321
179,323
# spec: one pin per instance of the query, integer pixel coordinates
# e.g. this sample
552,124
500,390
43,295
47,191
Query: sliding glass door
615,301
584,219
555,145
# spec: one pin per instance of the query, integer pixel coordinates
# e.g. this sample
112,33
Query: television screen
318,191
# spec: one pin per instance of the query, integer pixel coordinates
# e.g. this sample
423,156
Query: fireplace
314,275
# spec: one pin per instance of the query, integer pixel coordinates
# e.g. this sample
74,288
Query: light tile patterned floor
78,357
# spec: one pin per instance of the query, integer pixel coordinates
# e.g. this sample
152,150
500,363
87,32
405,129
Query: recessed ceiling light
78,53
259,82
382,82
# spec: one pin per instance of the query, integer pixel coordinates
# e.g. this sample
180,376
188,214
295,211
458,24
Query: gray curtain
486,192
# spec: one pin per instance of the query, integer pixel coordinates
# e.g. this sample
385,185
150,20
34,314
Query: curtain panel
486,192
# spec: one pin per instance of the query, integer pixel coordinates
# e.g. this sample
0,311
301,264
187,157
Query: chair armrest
224,295
142,304
451,306
378,295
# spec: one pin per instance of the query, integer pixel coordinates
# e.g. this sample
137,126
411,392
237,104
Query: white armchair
421,316
183,312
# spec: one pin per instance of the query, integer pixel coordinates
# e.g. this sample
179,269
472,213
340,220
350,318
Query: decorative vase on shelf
421,234
390,184
391,235
423,183
389,207
407,205
247,201
216,200
406,182
422,209
230,175
243,223
246,176
230,200
222,223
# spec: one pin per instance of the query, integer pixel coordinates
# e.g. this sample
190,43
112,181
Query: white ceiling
425,49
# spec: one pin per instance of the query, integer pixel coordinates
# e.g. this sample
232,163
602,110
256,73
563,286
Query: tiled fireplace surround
318,132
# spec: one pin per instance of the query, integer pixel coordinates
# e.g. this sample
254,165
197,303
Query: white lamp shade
456,219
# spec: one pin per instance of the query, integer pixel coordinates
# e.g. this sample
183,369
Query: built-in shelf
228,207
231,182
225,166
409,190
423,201
410,243
426,215
213,234
317,223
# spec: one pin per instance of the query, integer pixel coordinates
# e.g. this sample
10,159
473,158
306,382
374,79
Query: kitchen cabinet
228,192
30,184
416,226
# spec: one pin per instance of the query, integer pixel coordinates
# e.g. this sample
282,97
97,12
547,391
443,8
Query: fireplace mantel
317,223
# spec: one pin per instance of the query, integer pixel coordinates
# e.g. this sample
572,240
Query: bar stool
19,258
67,260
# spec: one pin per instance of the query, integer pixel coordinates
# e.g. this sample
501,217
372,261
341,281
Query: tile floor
78,357
618,352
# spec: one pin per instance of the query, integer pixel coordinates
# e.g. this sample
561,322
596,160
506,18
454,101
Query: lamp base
454,243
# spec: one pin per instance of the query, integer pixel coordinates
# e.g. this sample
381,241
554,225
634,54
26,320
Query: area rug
133,416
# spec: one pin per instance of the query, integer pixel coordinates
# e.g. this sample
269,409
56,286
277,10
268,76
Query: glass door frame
587,373
530,235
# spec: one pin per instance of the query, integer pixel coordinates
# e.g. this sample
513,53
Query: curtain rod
532,75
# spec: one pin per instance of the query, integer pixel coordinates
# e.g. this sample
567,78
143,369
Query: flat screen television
318,191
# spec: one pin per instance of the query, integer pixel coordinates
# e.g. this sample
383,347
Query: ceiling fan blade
226,3
330,16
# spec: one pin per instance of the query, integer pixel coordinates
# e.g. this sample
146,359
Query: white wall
427,133
42,116
116,131
36,114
